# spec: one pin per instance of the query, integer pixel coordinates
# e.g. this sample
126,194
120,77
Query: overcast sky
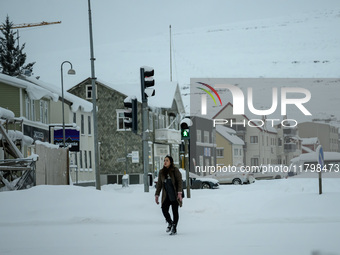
130,19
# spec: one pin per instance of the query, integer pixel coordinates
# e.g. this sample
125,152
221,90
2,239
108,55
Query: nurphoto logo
295,96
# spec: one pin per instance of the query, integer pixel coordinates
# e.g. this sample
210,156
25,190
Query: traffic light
147,82
130,114
185,128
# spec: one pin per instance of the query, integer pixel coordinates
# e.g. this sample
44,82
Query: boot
173,229
168,229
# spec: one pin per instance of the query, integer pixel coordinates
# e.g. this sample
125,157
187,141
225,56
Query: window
89,92
46,112
279,141
74,117
28,107
199,136
213,136
206,136
81,159
201,161
41,111
172,122
175,154
220,152
85,159
90,160
89,123
253,139
161,121
120,121
82,125
156,122
76,159
235,152
33,110
254,161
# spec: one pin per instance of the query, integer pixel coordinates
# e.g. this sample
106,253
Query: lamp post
71,72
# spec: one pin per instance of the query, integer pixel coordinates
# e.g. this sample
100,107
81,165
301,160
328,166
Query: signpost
135,156
321,162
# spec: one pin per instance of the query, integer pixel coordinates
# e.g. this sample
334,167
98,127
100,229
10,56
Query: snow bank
15,135
268,217
48,145
6,114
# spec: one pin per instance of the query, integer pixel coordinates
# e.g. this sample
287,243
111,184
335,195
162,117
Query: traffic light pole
145,123
145,145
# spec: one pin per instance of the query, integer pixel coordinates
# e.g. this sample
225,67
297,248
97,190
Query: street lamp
71,72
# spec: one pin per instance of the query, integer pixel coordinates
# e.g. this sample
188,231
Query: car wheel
205,186
237,181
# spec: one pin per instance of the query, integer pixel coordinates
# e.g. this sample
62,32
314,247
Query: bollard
125,181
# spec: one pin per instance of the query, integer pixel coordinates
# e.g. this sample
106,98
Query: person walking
170,183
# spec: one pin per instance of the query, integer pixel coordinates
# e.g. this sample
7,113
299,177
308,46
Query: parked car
199,182
196,181
270,172
236,176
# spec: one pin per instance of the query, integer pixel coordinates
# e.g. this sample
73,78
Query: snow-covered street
268,217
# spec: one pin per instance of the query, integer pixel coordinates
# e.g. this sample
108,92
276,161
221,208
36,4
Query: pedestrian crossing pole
147,90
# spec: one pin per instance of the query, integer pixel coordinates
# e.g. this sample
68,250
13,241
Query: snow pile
268,217
15,135
6,114
48,145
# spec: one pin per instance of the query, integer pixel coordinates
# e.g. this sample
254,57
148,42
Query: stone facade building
118,145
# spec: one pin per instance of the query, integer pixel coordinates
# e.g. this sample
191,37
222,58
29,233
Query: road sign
135,156
321,162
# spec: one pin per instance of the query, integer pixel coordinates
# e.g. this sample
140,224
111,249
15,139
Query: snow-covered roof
165,92
310,140
224,131
34,92
312,156
77,102
306,149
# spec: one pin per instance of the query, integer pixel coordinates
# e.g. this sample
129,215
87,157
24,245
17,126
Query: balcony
289,147
289,131
165,135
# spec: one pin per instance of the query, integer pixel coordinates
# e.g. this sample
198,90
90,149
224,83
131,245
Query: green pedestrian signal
185,134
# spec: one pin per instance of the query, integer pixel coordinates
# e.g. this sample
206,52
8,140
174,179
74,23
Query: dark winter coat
176,179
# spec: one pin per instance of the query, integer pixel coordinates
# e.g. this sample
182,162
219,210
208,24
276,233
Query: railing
289,147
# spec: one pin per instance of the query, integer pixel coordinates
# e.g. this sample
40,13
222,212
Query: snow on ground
268,217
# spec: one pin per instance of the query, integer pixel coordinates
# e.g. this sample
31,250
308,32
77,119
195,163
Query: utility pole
170,56
94,102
